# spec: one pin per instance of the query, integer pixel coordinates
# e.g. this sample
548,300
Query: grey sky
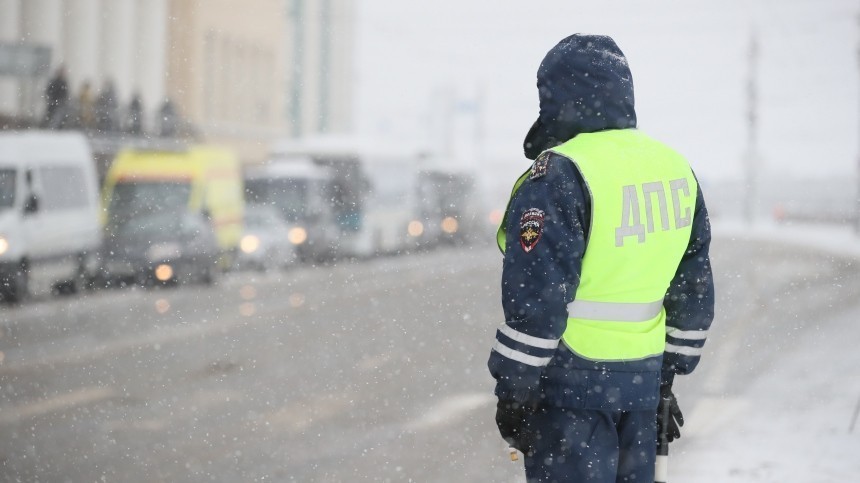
689,62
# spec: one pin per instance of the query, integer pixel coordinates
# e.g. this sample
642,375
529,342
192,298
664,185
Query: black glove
674,418
512,418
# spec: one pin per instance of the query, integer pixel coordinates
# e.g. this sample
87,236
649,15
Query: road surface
361,371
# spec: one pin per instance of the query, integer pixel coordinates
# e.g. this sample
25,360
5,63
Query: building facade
97,41
227,70
321,74
238,72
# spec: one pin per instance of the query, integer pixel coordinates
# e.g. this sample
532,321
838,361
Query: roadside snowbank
839,240
799,421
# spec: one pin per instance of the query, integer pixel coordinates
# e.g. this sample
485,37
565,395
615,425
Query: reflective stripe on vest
623,312
643,195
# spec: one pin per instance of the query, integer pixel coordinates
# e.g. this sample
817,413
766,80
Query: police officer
606,287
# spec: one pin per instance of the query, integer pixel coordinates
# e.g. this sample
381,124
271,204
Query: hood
584,85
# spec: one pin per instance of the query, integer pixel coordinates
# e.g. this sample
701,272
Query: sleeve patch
539,166
531,228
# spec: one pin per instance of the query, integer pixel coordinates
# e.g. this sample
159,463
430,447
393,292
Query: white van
49,220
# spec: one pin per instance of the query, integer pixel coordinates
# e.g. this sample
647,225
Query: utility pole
857,194
480,118
325,72
448,117
751,155
296,114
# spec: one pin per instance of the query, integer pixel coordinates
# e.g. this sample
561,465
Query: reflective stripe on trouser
616,331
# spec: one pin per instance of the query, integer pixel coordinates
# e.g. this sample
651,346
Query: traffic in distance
175,213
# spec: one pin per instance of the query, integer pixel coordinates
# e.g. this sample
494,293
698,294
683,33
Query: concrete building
96,40
239,72
322,72
267,70
227,70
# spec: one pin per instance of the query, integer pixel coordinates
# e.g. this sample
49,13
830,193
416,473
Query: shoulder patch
531,228
539,166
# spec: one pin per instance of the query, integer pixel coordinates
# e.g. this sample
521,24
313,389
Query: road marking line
158,336
450,410
164,335
372,363
301,415
81,397
149,425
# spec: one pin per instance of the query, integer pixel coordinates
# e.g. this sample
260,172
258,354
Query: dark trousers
576,445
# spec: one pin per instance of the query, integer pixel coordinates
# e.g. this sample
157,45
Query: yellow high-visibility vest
643,195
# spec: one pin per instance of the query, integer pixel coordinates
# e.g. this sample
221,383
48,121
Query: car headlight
297,235
249,243
496,216
163,251
450,225
415,228
4,245
163,272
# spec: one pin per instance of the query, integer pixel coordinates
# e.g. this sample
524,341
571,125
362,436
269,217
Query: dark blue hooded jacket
584,85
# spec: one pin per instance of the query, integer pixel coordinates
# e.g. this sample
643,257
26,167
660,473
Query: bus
298,191
374,193
452,205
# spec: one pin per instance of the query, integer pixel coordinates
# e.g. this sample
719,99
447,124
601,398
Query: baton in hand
661,464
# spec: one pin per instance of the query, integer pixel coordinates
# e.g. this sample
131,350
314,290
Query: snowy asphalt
375,371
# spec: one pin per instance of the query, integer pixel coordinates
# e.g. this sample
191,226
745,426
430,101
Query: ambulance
172,214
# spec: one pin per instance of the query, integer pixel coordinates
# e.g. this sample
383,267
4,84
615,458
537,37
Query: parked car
268,241
163,247
49,221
